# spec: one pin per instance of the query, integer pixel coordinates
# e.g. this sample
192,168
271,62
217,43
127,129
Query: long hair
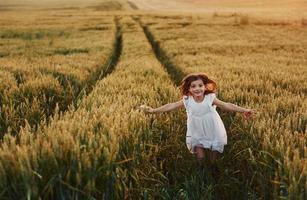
211,86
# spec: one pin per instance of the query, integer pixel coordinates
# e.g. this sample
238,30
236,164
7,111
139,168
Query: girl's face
197,88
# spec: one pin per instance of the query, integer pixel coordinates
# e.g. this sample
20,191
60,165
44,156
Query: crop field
73,75
49,59
255,69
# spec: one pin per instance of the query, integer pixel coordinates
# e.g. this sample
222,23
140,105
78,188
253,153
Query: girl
205,129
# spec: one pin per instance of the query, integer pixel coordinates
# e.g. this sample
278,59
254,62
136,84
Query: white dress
205,127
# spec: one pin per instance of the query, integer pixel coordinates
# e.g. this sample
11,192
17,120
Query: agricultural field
73,75
257,66
48,59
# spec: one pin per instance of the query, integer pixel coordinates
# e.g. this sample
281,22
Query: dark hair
211,86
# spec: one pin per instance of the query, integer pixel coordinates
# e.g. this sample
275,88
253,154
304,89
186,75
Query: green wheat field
72,74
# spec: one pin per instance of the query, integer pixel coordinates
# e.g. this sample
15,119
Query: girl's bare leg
200,154
213,155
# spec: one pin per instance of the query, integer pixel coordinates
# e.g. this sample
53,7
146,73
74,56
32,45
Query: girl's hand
248,113
146,109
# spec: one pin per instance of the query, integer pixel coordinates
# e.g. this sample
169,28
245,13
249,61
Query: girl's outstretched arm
232,107
164,108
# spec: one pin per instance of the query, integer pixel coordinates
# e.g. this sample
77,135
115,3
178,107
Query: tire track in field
59,124
96,75
176,75
79,91
106,68
114,58
174,72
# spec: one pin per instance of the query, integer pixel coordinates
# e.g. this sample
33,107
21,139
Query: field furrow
104,148
48,66
254,75
175,73
73,75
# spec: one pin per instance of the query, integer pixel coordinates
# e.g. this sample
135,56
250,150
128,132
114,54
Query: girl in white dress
205,129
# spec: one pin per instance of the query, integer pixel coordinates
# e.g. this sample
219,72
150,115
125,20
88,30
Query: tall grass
71,62
265,159
106,148
103,147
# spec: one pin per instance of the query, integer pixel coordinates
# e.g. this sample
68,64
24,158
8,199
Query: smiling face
197,88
